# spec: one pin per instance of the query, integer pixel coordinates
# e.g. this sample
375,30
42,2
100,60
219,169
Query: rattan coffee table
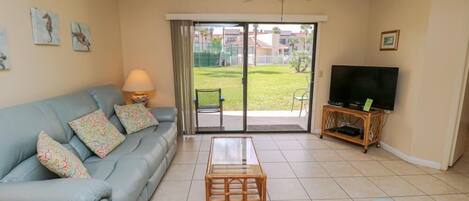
233,171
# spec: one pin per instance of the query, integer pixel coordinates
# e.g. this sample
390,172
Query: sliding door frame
244,81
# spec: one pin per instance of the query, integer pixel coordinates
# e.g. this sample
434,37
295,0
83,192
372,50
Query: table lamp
139,83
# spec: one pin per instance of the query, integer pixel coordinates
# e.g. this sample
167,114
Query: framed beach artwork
81,37
389,40
45,27
4,56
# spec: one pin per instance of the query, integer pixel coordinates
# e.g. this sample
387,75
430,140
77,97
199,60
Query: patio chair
208,101
300,95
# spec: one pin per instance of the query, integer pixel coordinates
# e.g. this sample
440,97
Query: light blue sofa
131,172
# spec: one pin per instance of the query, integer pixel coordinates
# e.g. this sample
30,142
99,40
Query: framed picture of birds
81,37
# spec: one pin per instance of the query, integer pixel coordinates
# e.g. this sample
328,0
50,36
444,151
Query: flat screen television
352,85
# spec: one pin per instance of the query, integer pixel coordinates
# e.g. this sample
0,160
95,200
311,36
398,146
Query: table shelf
368,122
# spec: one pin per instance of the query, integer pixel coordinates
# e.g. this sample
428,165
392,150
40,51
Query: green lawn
269,87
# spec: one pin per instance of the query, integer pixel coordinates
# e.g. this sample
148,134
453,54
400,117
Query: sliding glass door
218,77
253,77
279,76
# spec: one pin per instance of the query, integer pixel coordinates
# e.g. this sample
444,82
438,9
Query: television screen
352,85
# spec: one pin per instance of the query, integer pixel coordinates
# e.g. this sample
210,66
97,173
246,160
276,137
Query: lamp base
140,98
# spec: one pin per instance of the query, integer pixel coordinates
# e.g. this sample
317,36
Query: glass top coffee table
233,171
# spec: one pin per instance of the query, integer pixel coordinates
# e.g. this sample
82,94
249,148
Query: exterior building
269,48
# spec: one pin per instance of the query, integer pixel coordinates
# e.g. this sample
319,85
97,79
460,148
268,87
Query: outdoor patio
256,121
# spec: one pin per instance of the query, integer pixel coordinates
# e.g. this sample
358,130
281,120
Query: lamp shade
138,81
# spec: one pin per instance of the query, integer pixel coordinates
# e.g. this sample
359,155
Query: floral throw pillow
135,117
59,159
98,134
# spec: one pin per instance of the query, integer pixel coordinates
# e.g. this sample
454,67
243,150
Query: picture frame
81,37
389,40
4,54
45,25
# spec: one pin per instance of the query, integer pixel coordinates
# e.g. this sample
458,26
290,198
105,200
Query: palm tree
203,35
276,30
256,26
305,29
293,42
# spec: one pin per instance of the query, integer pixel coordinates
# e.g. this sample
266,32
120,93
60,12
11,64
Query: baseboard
316,131
411,159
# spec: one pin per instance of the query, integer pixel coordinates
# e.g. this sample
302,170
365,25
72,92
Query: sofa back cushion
19,128
71,107
106,97
21,125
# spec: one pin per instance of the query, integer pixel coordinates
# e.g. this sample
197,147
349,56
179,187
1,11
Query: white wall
411,18
39,72
431,57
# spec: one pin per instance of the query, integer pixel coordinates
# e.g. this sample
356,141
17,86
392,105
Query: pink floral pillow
58,159
97,133
135,117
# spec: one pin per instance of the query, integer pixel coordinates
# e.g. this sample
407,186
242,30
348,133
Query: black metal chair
208,101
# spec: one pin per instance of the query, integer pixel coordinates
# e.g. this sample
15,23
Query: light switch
320,73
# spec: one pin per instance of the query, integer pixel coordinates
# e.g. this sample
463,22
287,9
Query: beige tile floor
302,167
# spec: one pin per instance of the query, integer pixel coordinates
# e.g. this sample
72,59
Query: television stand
339,122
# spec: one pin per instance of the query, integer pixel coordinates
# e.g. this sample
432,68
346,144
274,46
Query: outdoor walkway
256,120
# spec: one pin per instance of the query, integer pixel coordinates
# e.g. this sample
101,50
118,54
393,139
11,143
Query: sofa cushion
144,144
58,159
97,133
57,190
167,130
29,170
135,117
106,97
19,127
32,170
117,123
152,149
127,176
71,107
83,152
164,114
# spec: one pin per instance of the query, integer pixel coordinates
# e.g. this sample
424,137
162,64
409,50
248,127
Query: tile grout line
297,179
426,173
333,179
193,172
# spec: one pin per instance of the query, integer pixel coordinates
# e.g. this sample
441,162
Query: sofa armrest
56,190
164,114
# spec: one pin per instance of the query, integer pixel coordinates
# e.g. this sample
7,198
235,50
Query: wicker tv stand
369,123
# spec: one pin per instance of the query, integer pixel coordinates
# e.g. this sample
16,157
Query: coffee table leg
227,190
245,189
208,189
264,189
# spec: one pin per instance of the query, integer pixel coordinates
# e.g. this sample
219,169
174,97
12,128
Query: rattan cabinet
370,123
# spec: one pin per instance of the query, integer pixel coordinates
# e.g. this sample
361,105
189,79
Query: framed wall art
389,40
45,27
